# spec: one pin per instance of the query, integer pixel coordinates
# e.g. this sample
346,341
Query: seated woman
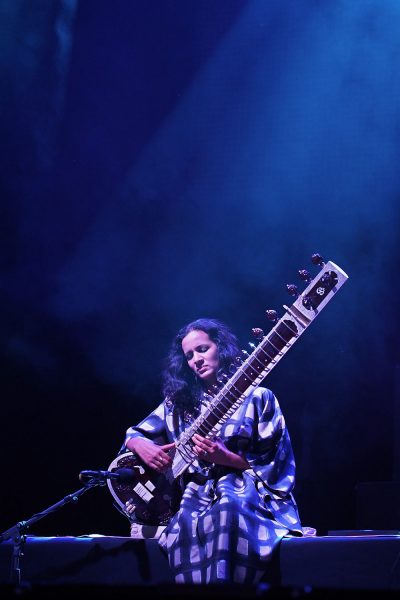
236,502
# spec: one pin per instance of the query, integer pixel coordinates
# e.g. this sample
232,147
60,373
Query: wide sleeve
152,427
270,455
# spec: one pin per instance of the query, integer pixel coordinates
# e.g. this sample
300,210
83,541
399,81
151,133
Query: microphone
120,475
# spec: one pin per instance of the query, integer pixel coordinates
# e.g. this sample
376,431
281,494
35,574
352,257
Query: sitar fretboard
260,362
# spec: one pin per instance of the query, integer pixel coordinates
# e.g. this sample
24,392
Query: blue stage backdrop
163,161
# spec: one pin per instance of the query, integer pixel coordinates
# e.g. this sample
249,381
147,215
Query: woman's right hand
151,454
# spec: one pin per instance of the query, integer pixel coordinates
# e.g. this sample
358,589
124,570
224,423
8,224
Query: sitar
156,495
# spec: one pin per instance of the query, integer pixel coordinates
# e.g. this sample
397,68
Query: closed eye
202,349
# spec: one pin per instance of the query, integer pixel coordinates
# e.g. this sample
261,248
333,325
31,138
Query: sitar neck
264,357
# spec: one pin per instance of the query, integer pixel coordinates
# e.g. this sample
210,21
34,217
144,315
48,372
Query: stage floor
338,563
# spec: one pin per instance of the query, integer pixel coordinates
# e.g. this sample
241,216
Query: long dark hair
180,386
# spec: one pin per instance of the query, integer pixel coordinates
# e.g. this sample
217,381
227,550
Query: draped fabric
228,526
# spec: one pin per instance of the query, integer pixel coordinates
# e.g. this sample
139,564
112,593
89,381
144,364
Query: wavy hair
180,386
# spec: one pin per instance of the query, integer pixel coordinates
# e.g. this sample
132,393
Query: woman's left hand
215,451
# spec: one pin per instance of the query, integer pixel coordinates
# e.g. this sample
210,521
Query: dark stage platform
310,565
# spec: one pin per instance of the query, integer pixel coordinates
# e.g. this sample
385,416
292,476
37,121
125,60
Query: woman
237,501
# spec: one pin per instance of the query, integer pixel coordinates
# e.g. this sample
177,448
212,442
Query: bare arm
151,454
216,452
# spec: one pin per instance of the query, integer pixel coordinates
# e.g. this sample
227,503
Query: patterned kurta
227,527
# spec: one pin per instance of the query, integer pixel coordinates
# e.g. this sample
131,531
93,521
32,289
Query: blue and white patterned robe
227,528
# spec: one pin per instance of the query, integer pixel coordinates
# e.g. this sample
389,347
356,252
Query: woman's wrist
136,442
237,461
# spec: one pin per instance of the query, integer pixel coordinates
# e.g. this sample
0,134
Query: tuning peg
245,354
317,259
258,333
238,361
304,275
272,315
292,289
252,346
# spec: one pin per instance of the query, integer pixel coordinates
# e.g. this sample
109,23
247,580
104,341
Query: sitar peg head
272,315
317,259
258,333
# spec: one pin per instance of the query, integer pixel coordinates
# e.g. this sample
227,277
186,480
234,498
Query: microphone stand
18,531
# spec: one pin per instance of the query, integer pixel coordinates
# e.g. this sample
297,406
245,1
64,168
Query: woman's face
202,355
